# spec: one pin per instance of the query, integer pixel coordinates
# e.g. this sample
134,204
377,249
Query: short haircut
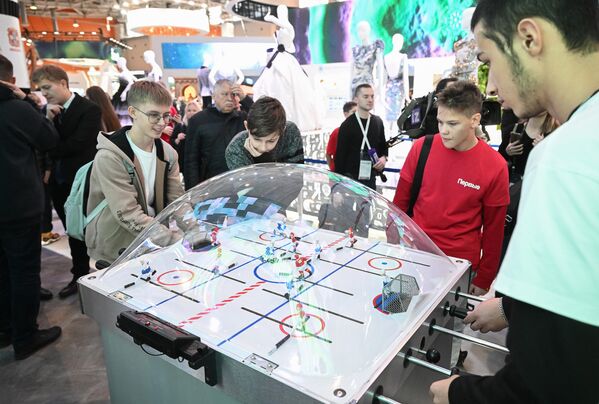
361,86
50,73
6,72
443,83
266,117
576,21
348,106
222,82
463,96
148,92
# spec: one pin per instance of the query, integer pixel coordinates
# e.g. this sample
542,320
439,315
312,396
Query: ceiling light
94,33
75,24
109,18
116,6
81,33
33,7
167,21
44,32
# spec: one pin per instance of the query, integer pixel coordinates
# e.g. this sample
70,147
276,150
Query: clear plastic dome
292,263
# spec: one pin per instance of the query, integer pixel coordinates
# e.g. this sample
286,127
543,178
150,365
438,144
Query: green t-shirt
553,258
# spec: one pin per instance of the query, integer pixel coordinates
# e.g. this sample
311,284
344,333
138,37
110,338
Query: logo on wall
13,37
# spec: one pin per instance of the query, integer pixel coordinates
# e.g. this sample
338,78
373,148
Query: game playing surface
307,306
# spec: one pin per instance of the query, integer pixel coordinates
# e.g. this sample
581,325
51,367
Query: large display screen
326,33
246,56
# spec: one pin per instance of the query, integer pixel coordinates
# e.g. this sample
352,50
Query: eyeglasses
154,117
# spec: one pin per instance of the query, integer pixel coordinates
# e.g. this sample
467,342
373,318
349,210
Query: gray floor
70,370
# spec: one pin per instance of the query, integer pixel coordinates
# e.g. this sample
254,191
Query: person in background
359,135
348,109
210,131
110,121
268,137
78,122
178,138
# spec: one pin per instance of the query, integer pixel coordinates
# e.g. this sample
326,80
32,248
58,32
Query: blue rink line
294,297
211,279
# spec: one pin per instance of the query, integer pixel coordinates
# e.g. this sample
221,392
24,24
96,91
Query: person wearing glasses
135,171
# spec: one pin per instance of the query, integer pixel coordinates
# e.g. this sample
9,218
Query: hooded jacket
127,212
22,131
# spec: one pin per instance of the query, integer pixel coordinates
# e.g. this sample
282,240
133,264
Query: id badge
365,169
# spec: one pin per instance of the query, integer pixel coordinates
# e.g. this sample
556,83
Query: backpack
75,206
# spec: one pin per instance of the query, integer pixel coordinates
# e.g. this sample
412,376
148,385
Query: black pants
20,252
47,215
60,192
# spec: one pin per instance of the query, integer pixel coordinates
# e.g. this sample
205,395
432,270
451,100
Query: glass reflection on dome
286,262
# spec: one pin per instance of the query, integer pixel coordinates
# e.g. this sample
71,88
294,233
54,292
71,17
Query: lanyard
364,130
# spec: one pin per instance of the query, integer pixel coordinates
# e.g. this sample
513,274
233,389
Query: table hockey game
310,308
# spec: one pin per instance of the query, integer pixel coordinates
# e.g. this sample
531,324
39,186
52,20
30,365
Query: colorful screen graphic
326,33
246,56
73,49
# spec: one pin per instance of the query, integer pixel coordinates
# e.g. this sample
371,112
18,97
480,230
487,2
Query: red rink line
217,306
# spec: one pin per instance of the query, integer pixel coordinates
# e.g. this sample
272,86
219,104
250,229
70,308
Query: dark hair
96,95
50,73
463,96
6,72
348,106
443,83
146,91
266,117
578,22
361,86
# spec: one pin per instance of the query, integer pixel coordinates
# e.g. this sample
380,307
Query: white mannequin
156,72
225,69
393,63
126,75
396,64
285,80
360,76
285,32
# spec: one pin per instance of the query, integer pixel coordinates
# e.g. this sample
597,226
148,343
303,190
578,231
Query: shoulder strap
417,183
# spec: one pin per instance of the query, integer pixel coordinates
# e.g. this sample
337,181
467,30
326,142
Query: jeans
20,260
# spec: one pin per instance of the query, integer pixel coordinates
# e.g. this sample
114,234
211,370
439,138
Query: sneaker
40,339
49,238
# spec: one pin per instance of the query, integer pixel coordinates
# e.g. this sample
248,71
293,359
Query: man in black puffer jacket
210,132
22,131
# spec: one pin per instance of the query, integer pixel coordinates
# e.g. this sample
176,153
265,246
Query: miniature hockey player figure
269,254
351,237
218,263
214,236
317,250
280,229
301,264
294,242
145,267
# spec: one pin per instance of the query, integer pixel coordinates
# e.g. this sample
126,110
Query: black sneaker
40,339
68,290
45,294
